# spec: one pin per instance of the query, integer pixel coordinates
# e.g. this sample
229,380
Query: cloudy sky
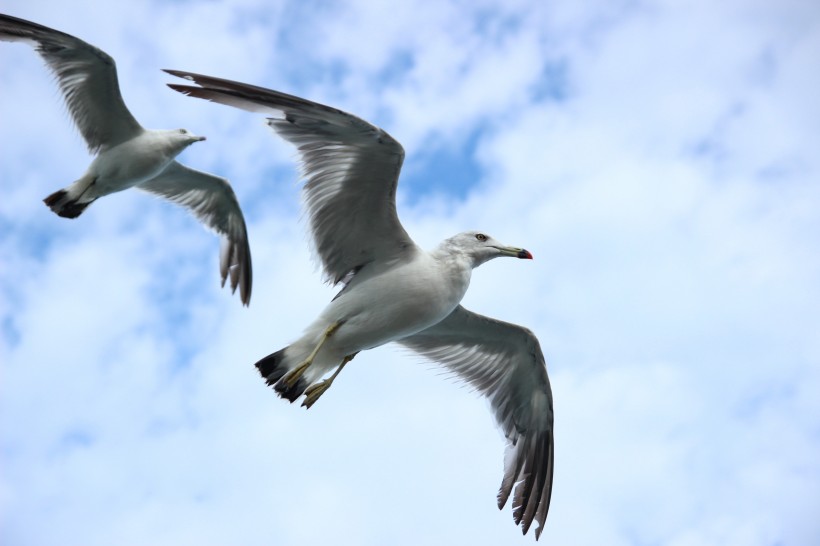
659,159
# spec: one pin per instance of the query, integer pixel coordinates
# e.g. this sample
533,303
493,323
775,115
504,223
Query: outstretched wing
212,200
505,363
351,170
87,76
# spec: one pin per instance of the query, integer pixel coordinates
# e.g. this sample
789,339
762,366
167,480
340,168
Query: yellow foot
295,374
316,390
313,392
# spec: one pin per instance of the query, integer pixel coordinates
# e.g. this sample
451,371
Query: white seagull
394,290
127,154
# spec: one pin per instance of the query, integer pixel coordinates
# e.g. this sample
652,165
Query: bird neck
454,259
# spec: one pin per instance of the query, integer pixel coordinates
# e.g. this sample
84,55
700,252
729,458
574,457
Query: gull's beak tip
524,254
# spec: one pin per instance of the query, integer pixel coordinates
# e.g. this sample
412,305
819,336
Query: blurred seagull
128,154
394,290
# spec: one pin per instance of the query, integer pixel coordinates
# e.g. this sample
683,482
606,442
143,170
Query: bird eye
183,132
481,237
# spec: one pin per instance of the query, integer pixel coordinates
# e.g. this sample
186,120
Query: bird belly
126,165
391,307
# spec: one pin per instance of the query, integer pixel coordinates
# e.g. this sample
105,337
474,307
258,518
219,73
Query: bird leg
316,390
295,374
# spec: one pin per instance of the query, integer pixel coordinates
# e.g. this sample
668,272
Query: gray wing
87,77
505,363
351,170
212,200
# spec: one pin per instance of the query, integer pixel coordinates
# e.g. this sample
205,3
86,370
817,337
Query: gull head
182,138
480,247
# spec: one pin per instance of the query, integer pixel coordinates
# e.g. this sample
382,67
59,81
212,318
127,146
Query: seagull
127,155
395,291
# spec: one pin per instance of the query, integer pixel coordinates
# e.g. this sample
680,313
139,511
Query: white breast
132,162
398,303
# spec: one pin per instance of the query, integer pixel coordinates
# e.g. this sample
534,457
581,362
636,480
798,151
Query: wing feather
504,362
212,200
87,77
351,170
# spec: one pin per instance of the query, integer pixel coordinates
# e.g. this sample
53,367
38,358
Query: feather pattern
87,77
212,200
351,169
504,362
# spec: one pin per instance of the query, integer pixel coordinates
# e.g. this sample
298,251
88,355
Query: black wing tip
23,29
211,83
532,481
238,266
243,280
25,23
517,518
190,76
245,292
246,278
184,89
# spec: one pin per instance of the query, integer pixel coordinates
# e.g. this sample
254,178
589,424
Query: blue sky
660,161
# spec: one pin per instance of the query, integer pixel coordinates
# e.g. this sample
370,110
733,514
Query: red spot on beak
524,254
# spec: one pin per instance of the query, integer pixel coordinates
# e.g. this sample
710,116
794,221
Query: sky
658,158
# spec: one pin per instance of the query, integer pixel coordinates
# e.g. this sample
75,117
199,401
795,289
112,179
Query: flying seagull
127,154
394,290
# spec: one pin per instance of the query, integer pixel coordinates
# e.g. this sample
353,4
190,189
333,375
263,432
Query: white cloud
668,198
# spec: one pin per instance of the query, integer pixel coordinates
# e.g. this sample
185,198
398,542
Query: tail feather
55,198
272,368
64,206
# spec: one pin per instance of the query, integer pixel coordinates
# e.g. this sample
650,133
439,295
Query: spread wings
87,76
212,200
504,362
351,169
